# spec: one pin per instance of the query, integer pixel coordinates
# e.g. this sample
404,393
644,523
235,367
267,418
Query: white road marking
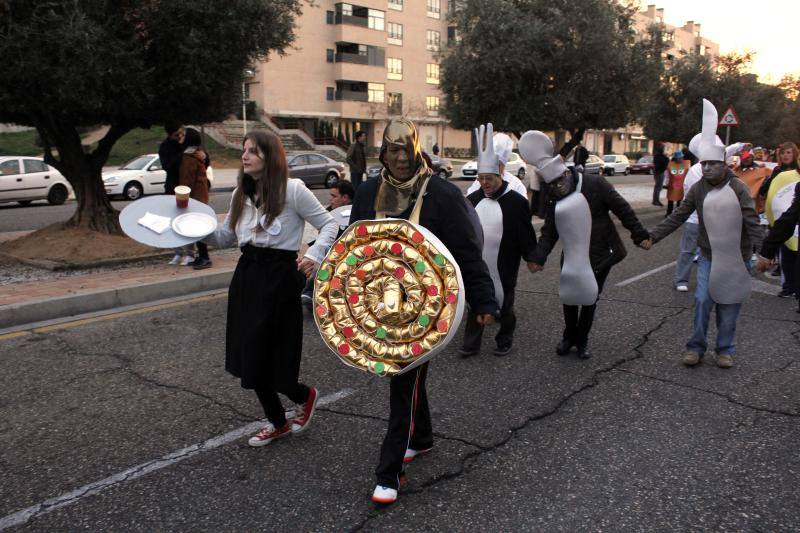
24,515
645,274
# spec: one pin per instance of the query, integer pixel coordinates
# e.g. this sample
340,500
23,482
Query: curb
66,306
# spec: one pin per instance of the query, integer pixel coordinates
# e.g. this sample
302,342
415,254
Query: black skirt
264,334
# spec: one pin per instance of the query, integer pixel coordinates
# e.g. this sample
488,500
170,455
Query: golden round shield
388,296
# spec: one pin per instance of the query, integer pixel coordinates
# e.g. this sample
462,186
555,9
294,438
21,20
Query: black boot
563,347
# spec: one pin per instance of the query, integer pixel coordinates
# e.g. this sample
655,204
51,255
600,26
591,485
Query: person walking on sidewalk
193,175
264,332
727,237
660,162
357,159
170,153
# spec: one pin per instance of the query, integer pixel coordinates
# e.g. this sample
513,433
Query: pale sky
770,28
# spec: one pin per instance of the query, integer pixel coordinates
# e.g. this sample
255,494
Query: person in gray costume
728,233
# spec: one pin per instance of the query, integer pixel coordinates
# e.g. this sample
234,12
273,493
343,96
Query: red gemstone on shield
361,274
361,231
336,283
347,332
417,237
344,349
442,326
397,248
451,298
369,251
416,348
338,248
432,290
353,298
322,310
399,272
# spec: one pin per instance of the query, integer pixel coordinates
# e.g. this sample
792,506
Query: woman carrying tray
264,331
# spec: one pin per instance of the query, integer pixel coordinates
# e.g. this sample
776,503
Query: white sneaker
187,260
383,494
412,454
175,260
682,288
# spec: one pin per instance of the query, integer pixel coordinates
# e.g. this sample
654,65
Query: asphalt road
629,440
14,217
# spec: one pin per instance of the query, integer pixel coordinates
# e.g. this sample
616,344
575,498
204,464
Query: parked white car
139,177
25,179
616,164
514,166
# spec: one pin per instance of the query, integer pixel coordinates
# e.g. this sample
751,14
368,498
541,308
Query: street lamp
248,73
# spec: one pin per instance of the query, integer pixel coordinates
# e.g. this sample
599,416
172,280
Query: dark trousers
659,184
790,269
202,250
578,319
672,205
409,424
273,408
356,178
473,332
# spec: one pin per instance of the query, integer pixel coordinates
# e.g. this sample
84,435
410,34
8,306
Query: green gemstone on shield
351,260
380,333
380,368
424,320
323,274
439,260
420,267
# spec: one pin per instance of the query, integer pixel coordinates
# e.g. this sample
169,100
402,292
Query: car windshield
137,164
609,158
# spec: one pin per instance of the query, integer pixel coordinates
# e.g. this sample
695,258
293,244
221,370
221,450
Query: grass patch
20,143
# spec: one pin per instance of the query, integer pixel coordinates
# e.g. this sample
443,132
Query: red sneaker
269,433
303,413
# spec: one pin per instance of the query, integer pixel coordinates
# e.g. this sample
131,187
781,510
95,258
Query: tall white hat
503,145
488,162
536,149
711,147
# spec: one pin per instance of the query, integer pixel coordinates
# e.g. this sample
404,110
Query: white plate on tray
194,225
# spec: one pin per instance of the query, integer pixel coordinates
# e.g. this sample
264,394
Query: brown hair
270,190
795,154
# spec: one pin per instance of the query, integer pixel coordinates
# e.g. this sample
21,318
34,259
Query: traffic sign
729,118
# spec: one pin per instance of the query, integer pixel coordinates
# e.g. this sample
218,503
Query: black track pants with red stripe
409,424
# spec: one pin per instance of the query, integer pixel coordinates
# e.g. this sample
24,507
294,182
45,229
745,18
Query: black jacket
605,246
783,229
519,238
170,153
446,213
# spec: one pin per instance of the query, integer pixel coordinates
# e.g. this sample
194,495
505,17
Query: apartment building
357,65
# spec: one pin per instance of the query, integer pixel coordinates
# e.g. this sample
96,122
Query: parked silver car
25,179
315,169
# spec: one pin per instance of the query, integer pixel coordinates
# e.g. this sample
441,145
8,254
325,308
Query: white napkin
155,223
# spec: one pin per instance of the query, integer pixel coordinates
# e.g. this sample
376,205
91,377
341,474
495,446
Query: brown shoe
692,358
724,360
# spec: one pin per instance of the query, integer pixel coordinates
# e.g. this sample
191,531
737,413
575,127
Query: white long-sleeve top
286,231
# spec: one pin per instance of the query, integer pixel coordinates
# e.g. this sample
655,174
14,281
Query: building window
397,5
376,19
434,41
395,33
434,8
432,73
395,68
394,103
330,93
375,92
432,104
329,55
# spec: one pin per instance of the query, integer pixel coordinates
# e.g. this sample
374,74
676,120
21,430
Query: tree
676,110
547,64
74,63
